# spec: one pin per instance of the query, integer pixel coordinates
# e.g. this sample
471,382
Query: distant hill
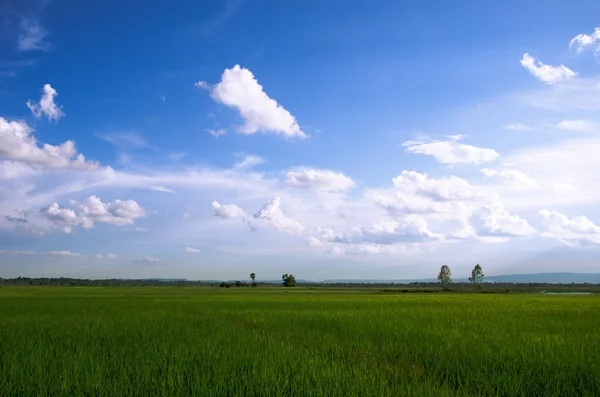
550,278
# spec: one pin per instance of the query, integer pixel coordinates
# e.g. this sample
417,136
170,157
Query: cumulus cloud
384,232
579,125
192,250
227,211
584,41
452,151
46,106
546,73
312,178
92,210
240,90
576,231
497,221
32,36
273,213
514,177
17,143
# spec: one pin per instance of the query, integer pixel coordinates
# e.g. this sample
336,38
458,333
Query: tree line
476,278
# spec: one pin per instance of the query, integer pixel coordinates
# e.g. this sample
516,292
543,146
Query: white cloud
177,156
240,90
13,252
192,250
384,233
32,36
92,210
577,231
273,213
150,259
227,211
112,257
64,253
249,161
46,105
118,212
203,84
161,189
126,140
518,127
510,176
579,125
217,133
583,41
312,178
186,215
546,73
497,221
452,152
17,143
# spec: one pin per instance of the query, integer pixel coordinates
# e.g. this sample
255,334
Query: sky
331,140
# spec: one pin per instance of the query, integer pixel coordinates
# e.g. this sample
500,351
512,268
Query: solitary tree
445,275
476,275
253,277
288,280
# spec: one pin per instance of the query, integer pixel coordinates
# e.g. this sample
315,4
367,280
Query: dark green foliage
288,280
238,283
476,275
445,275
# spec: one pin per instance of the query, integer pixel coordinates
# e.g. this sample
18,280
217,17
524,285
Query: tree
288,280
253,277
238,283
223,284
476,275
445,275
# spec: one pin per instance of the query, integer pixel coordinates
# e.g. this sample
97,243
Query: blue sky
330,140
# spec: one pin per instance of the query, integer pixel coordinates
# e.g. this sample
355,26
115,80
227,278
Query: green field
97,341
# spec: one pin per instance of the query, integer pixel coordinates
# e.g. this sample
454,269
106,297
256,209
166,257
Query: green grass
97,341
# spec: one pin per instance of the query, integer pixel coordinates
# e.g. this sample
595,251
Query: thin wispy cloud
126,140
231,8
32,36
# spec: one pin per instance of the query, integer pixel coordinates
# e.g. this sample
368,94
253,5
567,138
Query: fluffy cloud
240,90
46,105
311,178
583,41
497,221
32,36
511,176
227,211
217,133
451,151
579,125
192,250
17,143
384,233
273,213
546,73
92,210
576,231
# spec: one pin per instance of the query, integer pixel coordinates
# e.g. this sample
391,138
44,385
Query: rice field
168,341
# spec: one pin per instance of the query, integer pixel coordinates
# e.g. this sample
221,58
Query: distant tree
288,280
445,275
238,283
253,277
223,284
476,275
